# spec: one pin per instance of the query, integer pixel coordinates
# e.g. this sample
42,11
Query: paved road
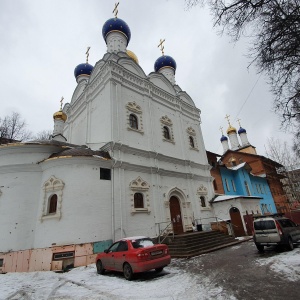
235,270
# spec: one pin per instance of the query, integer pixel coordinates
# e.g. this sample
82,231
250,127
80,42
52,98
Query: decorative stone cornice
202,190
139,184
53,184
165,120
111,70
132,106
191,131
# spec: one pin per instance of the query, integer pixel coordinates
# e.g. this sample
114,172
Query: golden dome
231,130
132,55
60,115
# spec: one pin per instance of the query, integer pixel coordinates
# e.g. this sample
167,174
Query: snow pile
182,279
287,264
85,283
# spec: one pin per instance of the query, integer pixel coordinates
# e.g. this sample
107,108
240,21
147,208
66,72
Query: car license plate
156,252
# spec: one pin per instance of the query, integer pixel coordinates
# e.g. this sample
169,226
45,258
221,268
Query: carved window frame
202,195
191,133
53,186
134,109
167,122
141,186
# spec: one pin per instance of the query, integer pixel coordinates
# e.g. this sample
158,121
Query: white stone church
126,158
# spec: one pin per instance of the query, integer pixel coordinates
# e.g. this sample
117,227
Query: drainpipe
112,195
120,192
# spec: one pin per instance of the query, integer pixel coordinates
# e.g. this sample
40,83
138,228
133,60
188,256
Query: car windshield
142,243
286,223
264,225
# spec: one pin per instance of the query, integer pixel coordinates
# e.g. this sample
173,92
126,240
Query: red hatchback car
133,255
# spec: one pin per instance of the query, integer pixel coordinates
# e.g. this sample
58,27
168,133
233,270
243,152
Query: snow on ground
85,283
287,264
173,283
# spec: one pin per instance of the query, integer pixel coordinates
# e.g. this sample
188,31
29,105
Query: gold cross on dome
162,47
61,102
87,54
221,129
227,117
239,121
115,11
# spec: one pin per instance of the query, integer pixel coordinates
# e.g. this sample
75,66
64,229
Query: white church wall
18,205
251,206
128,220
86,204
131,66
162,82
99,119
165,116
221,209
136,104
78,128
191,128
18,154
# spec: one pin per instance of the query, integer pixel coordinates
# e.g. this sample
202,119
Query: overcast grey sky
42,41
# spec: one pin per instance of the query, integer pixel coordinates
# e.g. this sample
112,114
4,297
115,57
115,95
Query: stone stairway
196,243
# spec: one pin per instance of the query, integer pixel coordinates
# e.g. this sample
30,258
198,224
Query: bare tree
280,152
13,128
273,30
43,135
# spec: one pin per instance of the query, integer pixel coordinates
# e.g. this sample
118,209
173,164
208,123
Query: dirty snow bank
287,264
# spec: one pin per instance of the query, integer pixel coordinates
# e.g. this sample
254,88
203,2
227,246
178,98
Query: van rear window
264,225
286,223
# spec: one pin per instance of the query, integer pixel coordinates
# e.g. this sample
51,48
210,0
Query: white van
275,230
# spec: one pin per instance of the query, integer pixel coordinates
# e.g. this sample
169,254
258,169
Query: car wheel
260,248
100,269
290,245
127,270
158,270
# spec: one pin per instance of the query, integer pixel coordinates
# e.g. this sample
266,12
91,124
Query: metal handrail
227,222
217,220
164,232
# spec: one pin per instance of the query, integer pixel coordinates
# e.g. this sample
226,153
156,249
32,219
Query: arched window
202,199
233,185
247,188
133,121
192,144
166,133
138,200
227,185
53,204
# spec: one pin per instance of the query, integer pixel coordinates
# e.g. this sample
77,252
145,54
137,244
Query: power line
253,87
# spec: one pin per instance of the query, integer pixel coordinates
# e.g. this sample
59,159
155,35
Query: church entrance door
176,215
236,221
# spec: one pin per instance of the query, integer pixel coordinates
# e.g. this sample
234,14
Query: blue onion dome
83,69
223,138
165,61
242,130
118,25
